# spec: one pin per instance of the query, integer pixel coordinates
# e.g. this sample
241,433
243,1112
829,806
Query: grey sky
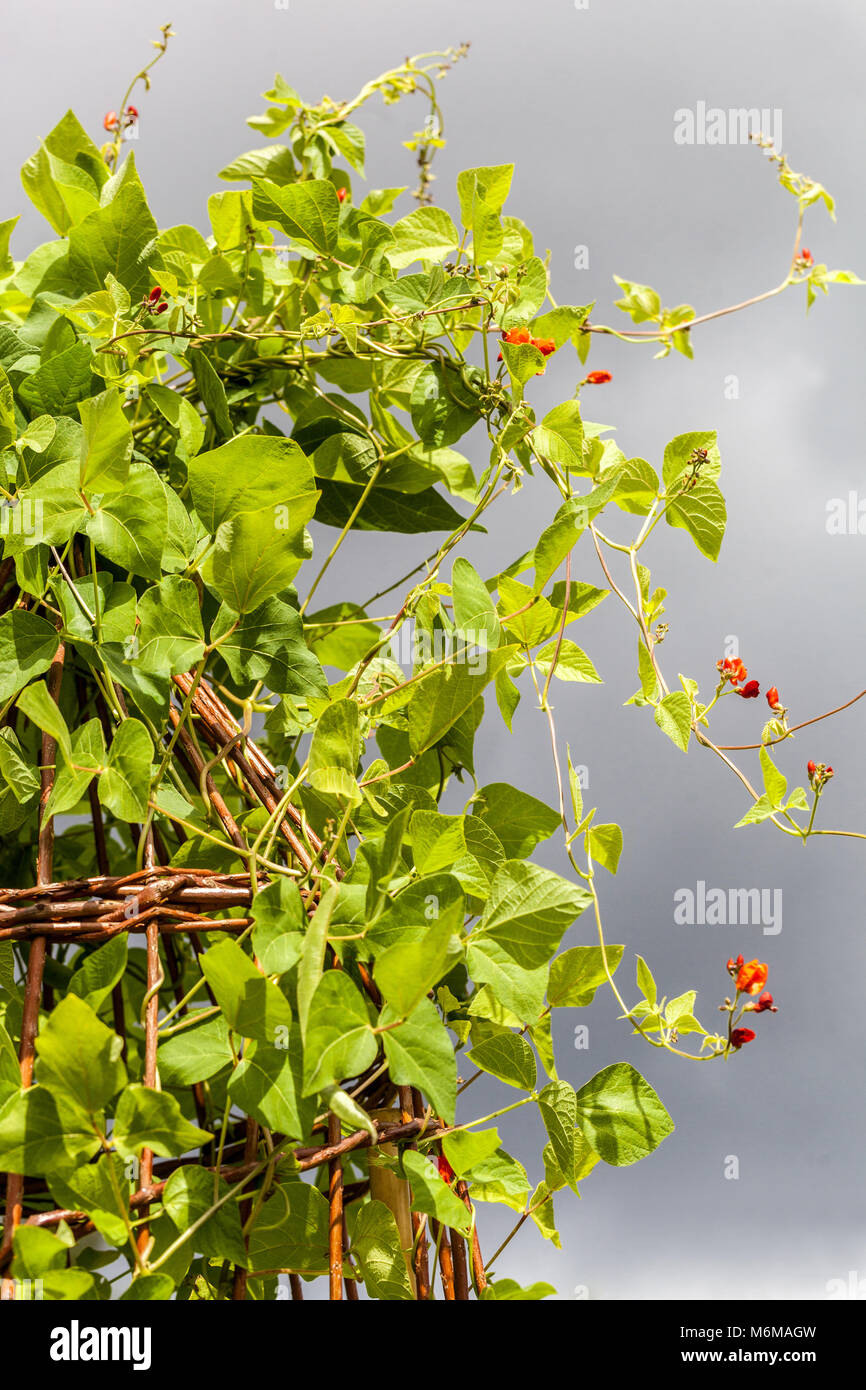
583,101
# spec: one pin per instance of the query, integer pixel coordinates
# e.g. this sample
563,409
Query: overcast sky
583,100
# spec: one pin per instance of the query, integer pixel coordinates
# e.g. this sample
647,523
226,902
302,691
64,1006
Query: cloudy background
583,101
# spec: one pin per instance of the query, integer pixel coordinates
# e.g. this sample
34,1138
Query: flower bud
750,691
598,378
740,1036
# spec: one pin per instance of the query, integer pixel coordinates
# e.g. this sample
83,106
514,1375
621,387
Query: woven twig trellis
165,902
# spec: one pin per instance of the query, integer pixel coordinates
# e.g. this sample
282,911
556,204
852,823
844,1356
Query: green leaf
427,234
528,910
474,613
253,1005
268,645
117,238
674,717
79,1055
153,1120
572,663
106,443
124,786
419,1053
99,971
195,1054
36,1251
41,1133
28,645
376,1246
576,975
645,982
39,707
188,1195
761,810
268,1085
170,635
252,473
508,1057
179,413
149,1288
339,1039
605,843
489,182
519,821
291,1231
442,405
129,527
558,1106
308,212
433,1197
280,921
775,783
211,389
86,759
621,1116
335,749
508,1290
701,511
258,554
440,698
407,971
465,1149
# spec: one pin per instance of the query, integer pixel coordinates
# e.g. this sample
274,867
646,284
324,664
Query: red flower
764,1003
132,113
734,964
819,773
773,700
750,691
110,120
342,194
740,1036
446,1172
806,257
732,669
752,977
599,378
515,336
154,302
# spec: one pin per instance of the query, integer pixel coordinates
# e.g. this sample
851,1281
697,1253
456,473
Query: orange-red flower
740,1036
109,121
446,1172
515,336
752,977
764,1004
750,691
732,669
342,194
599,378
773,700
806,256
